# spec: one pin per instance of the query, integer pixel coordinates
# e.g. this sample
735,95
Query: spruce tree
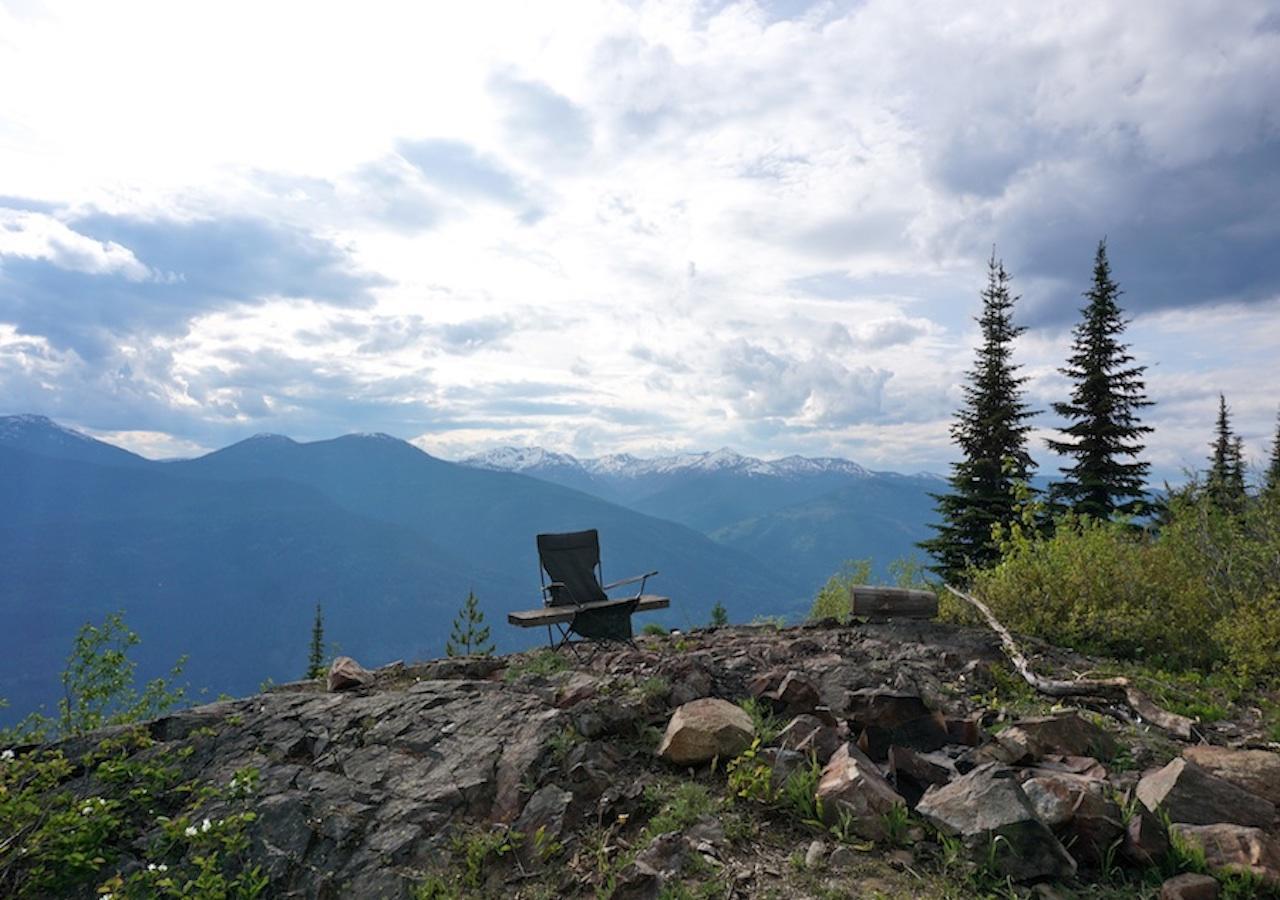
470,635
1271,478
315,658
1103,429
719,615
1225,482
991,432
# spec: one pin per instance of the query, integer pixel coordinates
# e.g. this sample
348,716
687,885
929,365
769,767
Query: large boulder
346,674
852,790
988,809
705,729
1257,771
1187,793
1235,847
542,822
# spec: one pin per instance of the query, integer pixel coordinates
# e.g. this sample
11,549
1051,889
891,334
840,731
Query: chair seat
552,615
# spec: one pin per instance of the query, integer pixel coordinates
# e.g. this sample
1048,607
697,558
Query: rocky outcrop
1236,847
1256,771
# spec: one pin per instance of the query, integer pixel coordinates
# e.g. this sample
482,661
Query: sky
641,227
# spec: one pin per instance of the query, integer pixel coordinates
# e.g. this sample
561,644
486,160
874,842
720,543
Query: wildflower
87,811
206,826
6,756
191,831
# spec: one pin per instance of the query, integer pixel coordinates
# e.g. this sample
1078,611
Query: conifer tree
315,658
1225,482
1271,478
719,615
991,431
1103,437
470,635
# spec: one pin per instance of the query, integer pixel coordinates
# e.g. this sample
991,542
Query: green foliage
766,723
799,794
470,635
835,600
750,777
774,622
480,849
73,827
315,657
654,629
654,689
991,432
1200,594
1224,484
1103,435
98,687
541,663
719,615
678,806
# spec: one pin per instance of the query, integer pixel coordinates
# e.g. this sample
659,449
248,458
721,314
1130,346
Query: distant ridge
626,466
44,437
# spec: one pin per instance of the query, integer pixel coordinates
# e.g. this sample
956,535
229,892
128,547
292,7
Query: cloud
540,122
459,168
98,276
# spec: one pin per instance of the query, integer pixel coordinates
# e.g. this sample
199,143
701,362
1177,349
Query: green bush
833,600
1196,592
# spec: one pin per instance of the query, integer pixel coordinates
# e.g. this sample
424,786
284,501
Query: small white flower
105,896
191,831
6,756
87,811
151,867
162,867
206,826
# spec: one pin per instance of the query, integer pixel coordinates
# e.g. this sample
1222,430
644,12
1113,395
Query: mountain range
222,558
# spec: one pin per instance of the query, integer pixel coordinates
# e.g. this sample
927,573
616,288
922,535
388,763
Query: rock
1257,771
814,855
843,858
1190,886
1078,812
807,734
989,810
1145,840
967,732
346,674
590,768
1065,734
656,865
579,687
1085,766
542,821
1189,794
690,682
913,774
795,695
883,718
852,790
1235,847
704,730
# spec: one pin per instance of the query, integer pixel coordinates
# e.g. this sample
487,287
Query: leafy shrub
834,599
1198,592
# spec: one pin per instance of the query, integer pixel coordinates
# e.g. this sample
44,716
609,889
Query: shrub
833,600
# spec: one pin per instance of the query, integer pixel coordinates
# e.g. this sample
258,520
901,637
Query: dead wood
1113,689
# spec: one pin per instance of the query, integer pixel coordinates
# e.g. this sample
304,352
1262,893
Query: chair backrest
572,559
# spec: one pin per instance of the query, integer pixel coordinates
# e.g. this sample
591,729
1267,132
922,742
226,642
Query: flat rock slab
1257,771
1066,734
1189,794
988,809
706,729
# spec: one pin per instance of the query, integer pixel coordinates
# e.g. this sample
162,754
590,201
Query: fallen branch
1115,689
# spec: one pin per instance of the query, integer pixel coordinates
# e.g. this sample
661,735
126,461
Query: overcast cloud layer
638,227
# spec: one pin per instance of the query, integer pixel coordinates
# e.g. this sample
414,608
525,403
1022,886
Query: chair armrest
548,591
640,578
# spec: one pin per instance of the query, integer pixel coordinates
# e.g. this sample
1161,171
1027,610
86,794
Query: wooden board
550,615
893,603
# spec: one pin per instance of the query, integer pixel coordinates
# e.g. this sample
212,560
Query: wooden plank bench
552,615
874,602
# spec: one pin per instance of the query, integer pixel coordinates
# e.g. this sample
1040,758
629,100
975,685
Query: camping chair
572,563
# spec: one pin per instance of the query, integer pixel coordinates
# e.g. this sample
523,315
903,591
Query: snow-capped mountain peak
520,459
625,466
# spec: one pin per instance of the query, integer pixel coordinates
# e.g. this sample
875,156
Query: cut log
1113,689
892,603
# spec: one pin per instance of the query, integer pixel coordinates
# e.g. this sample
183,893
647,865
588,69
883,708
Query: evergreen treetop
470,636
315,657
991,431
1103,437
1271,478
1225,482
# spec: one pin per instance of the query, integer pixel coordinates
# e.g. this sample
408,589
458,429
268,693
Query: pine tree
1271,478
1225,482
991,431
315,658
719,615
470,635
1102,412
